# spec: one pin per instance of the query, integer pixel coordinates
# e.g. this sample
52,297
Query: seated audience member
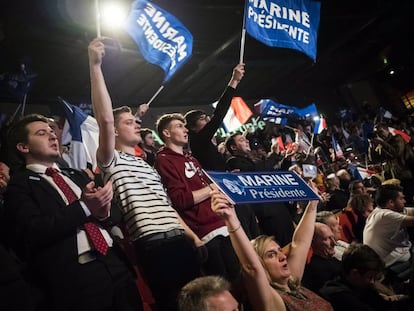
323,266
386,227
356,288
353,217
332,220
274,218
272,279
344,179
207,293
338,197
356,187
59,224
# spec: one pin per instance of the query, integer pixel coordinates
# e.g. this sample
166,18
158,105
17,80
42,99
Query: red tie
95,235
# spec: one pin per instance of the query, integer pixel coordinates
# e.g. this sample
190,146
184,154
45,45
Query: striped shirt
144,203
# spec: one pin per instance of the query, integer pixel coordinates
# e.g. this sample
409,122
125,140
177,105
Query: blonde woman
272,278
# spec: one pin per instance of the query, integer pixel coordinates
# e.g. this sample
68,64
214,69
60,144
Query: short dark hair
387,192
381,125
118,111
144,132
362,258
230,141
194,294
164,121
191,118
18,132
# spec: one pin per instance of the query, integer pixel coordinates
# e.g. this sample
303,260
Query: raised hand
96,51
221,205
238,74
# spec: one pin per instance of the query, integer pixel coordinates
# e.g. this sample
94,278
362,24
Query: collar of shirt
40,168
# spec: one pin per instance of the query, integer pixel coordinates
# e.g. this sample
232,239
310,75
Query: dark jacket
344,297
200,143
42,231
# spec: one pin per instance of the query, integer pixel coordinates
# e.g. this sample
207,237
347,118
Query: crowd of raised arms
147,229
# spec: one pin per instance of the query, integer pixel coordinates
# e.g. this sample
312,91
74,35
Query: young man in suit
59,224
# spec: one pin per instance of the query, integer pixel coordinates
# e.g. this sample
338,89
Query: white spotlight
113,14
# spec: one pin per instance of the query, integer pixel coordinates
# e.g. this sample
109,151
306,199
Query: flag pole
98,19
155,95
311,144
242,43
243,36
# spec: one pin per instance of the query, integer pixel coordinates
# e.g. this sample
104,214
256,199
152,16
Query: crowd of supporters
161,216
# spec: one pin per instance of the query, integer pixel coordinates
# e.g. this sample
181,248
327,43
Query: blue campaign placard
261,187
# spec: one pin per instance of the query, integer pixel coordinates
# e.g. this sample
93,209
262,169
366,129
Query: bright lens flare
113,15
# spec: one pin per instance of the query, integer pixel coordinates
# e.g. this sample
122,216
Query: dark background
51,36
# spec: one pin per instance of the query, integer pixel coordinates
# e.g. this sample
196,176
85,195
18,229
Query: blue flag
270,111
289,24
160,37
263,187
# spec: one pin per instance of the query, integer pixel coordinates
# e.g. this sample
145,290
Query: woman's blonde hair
259,245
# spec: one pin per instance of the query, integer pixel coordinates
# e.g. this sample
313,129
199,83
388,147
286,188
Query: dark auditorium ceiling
51,37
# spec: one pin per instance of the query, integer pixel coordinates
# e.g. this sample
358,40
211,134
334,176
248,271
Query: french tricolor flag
237,115
81,133
320,125
404,135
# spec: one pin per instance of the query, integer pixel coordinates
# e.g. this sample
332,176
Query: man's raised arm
101,103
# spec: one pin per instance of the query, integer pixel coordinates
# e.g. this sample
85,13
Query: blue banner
289,24
160,37
263,187
270,110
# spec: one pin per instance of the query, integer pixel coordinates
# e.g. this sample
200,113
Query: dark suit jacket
43,232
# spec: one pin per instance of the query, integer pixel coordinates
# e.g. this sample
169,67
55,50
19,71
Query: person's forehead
333,219
126,116
37,125
240,137
176,122
223,301
271,245
325,231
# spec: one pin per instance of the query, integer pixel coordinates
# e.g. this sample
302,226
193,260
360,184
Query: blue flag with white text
275,186
289,24
271,110
161,38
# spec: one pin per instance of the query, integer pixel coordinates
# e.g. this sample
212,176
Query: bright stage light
113,14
